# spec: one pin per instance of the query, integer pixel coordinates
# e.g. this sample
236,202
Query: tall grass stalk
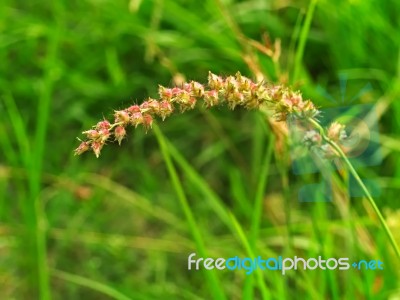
257,212
260,275
258,203
211,277
37,214
217,204
303,38
89,283
360,183
34,239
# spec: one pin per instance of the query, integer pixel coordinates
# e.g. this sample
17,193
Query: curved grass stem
215,286
360,183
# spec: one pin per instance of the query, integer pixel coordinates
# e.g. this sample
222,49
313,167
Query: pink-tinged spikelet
234,91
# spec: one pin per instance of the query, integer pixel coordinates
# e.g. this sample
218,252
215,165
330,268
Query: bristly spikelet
234,91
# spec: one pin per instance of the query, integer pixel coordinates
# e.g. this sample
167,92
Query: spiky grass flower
234,91
314,140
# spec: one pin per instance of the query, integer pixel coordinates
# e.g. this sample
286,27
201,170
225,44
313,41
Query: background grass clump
82,228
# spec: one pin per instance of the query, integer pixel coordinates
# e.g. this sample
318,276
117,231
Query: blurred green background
87,228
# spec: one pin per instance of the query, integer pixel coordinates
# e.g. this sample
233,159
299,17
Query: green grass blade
257,211
216,202
258,203
212,279
260,276
303,38
89,283
19,128
213,199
